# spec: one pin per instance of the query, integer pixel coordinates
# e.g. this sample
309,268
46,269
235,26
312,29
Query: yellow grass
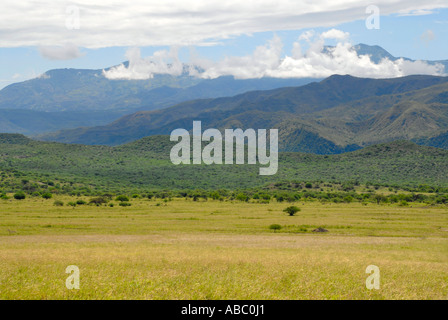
221,250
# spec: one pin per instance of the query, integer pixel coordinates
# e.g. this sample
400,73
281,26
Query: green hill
145,164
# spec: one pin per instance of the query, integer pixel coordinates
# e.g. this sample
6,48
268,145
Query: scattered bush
122,198
47,195
292,210
19,195
242,197
275,227
58,203
124,204
98,201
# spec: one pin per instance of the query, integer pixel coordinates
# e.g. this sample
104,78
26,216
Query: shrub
72,204
403,203
19,195
275,227
280,198
122,198
58,203
242,197
125,204
47,195
98,201
292,210
81,202
265,197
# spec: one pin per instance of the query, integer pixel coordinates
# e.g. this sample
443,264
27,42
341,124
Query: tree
292,210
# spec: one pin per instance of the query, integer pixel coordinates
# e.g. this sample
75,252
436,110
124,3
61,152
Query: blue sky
417,34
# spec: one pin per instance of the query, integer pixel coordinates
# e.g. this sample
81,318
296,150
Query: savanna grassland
185,249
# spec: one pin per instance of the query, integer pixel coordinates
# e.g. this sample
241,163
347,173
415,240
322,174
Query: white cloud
161,62
335,34
269,61
66,52
427,36
177,22
419,12
257,65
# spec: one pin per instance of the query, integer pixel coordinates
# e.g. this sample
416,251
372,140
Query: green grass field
183,249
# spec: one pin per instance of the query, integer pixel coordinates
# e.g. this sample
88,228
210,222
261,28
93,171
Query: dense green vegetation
144,166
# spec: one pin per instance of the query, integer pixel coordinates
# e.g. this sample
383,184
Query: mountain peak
375,52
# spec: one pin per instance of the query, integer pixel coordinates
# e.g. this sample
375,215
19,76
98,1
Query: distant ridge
336,115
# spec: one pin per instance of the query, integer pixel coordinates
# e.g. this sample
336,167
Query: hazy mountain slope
76,89
440,141
78,93
33,122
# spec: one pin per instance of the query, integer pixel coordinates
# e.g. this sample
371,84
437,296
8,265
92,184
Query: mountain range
70,98
334,115
338,114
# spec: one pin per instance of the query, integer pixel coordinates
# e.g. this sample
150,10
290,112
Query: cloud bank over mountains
317,61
